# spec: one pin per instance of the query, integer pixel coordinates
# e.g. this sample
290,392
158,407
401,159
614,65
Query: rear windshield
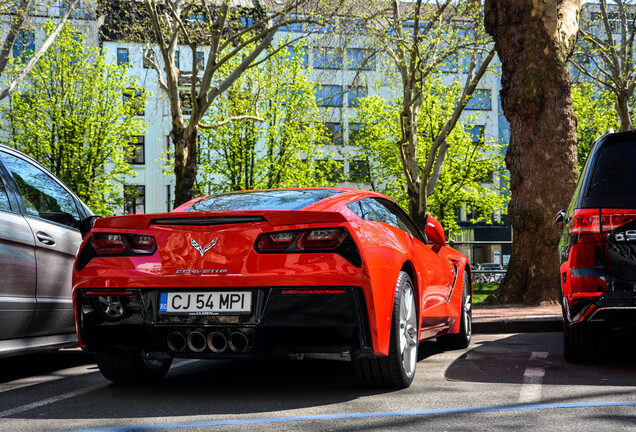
613,180
288,199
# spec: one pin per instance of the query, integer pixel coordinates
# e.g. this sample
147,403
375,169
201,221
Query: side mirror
87,224
559,220
435,233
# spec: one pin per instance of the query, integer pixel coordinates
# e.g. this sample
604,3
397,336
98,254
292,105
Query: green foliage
595,113
472,173
281,151
73,118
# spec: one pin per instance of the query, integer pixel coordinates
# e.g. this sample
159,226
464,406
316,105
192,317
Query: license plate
206,303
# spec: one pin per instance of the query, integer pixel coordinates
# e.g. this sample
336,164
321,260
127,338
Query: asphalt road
515,381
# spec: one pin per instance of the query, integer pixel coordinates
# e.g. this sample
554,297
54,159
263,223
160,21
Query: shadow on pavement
490,361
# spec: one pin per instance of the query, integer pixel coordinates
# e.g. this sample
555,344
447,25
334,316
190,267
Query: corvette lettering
205,271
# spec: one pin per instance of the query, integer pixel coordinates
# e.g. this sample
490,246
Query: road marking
363,415
43,402
43,379
49,378
532,380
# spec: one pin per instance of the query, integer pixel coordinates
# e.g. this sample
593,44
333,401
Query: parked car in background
597,249
267,273
40,222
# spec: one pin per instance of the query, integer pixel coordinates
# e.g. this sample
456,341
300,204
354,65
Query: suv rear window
612,183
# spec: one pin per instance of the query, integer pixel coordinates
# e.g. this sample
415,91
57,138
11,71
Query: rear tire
579,344
131,368
462,339
397,370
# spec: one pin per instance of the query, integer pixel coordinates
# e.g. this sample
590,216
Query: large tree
420,38
228,30
605,55
534,40
471,174
281,150
71,115
15,15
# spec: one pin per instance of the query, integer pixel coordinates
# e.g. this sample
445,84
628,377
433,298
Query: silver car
40,220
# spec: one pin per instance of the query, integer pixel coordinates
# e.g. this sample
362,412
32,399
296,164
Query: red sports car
269,272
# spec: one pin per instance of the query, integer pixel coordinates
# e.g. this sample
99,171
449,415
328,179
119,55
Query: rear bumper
278,323
603,309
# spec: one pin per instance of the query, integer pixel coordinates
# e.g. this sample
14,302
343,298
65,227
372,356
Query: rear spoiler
272,217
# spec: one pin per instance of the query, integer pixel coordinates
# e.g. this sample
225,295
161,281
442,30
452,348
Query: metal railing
484,275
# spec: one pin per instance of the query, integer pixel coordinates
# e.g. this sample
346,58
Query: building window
168,198
135,99
301,53
328,58
292,27
329,96
360,59
122,56
149,58
481,100
356,93
332,169
168,149
134,199
139,154
333,131
354,131
200,60
176,59
359,171
247,21
186,102
24,46
477,133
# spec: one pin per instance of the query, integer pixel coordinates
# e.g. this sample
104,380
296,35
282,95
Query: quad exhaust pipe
176,342
217,342
197,342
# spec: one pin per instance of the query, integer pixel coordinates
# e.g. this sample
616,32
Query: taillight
335,240
115,244
142,244
107,244
276,242
589,224
321,239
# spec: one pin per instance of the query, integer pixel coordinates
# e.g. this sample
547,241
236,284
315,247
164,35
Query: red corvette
269,272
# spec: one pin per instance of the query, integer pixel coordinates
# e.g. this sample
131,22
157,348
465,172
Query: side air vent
212,220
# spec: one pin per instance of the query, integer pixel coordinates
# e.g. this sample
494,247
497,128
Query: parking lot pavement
517,318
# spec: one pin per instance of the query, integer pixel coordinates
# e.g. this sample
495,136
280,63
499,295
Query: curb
518,325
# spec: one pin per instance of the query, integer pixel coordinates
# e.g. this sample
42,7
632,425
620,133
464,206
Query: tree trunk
185,162
534,40
622,108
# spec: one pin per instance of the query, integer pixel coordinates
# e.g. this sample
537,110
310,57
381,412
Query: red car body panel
234,261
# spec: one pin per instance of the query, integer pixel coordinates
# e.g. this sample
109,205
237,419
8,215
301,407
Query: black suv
598,247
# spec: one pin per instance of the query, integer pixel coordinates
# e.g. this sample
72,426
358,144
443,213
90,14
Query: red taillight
321,239
276,242
142,243
317,239
115,244
108,244
587,220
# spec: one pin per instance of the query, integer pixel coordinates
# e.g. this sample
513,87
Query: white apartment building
340,71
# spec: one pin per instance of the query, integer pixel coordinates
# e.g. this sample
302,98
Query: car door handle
45,238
